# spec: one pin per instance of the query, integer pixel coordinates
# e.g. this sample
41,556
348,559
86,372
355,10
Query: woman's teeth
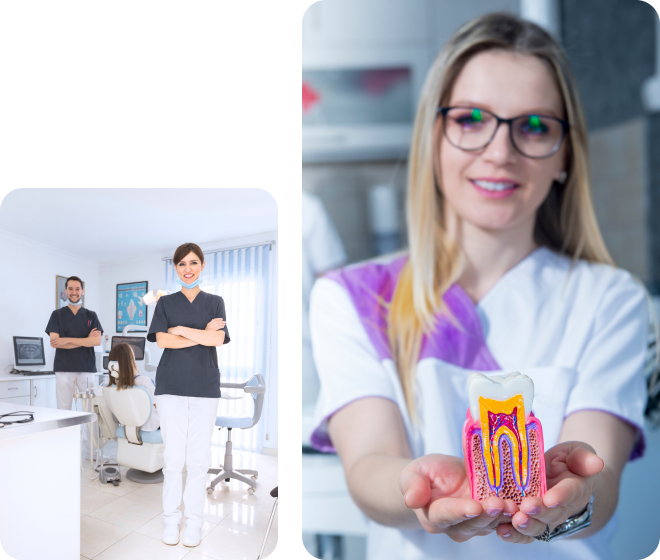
490,186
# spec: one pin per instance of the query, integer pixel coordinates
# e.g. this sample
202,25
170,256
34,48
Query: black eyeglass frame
565,126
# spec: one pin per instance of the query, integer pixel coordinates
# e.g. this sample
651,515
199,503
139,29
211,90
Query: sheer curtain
242,278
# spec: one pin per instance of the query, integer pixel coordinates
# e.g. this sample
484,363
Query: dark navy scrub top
69,325
192,371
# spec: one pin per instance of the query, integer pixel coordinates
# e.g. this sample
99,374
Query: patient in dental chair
124,373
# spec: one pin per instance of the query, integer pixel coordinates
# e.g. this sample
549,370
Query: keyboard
34,373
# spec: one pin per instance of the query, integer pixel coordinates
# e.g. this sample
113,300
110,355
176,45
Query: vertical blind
242,278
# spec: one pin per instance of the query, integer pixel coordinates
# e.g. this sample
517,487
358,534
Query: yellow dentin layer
505,418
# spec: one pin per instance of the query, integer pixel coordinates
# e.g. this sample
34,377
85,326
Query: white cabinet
374,23
43,393
17,400
15,388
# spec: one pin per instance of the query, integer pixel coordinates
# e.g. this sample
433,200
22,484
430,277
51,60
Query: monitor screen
136,342
29,351
106,359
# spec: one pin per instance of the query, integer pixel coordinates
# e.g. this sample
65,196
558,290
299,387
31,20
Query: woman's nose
500,150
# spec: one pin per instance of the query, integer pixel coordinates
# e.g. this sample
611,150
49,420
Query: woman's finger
508,533
584,463
448,512
416,489
526,525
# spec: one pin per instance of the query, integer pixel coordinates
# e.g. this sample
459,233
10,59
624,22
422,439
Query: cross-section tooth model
502,439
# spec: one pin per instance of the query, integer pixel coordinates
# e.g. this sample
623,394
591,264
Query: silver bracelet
569,527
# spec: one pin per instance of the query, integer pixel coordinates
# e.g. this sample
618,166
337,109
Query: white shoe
171,534
192,535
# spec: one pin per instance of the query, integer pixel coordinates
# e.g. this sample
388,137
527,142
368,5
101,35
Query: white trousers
186,424
65,382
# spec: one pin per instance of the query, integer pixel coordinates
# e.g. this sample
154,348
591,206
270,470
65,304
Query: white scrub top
321,251
580,334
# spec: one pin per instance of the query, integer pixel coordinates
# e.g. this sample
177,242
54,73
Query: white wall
27,288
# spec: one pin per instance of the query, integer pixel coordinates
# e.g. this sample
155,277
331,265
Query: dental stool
139,450
256,388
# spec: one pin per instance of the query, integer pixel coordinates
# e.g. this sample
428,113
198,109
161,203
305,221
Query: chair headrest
132,405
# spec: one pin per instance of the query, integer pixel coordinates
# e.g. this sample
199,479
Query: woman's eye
468,121
534,125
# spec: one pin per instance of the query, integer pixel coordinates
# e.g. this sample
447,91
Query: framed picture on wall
60,292
131,309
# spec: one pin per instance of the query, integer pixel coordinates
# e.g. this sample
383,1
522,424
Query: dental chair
143,451
139,450
256,388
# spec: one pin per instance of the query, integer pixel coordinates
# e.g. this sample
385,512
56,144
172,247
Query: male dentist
73,331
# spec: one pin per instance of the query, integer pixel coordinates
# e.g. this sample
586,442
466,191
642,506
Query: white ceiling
107,225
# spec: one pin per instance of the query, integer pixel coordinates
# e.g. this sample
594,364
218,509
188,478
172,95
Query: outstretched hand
437,489
572,470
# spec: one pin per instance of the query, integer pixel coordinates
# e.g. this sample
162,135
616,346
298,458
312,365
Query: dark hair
123,354
183,250
74,278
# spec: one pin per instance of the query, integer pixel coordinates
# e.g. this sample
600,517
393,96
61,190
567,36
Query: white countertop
15,377
45,419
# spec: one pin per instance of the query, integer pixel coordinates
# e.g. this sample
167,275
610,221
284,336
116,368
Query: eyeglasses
472,129
13,414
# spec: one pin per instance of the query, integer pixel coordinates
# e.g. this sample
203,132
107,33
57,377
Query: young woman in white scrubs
506,271
189,324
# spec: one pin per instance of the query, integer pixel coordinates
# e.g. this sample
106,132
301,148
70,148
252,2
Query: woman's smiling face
189,268
497,188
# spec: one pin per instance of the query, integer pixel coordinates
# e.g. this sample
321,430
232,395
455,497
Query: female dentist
189,324
506,271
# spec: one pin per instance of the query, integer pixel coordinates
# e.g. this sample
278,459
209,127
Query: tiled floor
125,522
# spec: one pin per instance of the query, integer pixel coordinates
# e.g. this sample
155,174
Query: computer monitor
29,352
136,343
106,360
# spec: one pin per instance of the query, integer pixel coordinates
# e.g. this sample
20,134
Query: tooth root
501,419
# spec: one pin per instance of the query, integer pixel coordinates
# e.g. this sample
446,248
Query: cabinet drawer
18,388
17,400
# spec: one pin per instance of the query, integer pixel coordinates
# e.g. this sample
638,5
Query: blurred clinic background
363,65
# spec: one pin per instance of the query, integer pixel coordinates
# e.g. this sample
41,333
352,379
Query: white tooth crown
500,388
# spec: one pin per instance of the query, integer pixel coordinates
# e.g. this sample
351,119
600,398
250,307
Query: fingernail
492,512
404,499
553,506
533,511
506,535
470,515
508,514
523,525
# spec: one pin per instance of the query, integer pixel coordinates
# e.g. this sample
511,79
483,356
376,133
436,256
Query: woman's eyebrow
531,111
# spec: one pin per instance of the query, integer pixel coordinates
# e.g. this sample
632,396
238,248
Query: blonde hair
565,222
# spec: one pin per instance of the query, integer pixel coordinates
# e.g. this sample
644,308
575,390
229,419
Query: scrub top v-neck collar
199,294
76,313
505,278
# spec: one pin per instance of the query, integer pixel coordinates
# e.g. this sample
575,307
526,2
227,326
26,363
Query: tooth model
502,439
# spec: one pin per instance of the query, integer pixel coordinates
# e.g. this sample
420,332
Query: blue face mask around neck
77,303
189,286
